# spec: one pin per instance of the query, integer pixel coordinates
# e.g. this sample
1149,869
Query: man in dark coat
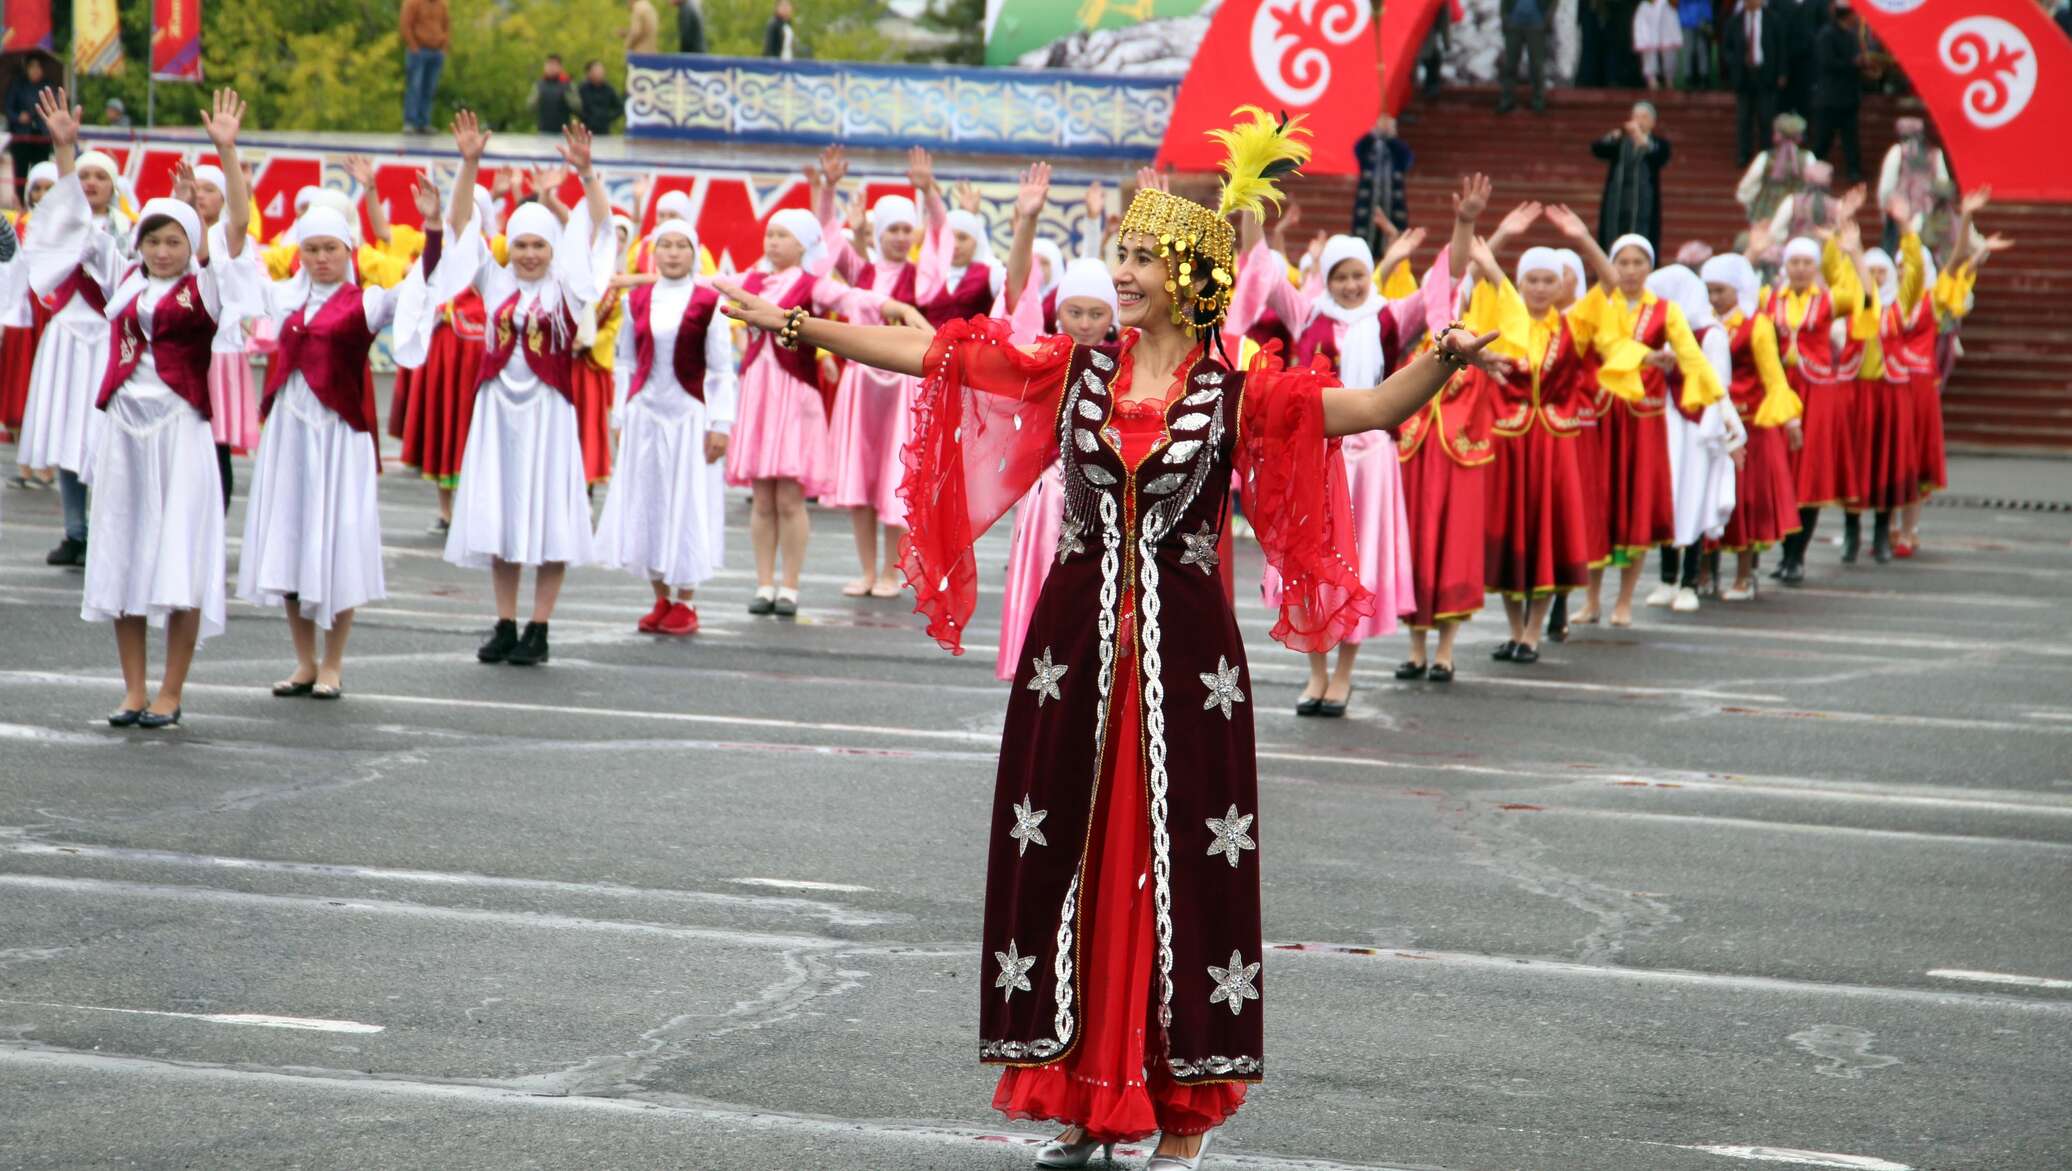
1838,89
1384,170
1752,48
599,102
552,97
1633,185
1802,21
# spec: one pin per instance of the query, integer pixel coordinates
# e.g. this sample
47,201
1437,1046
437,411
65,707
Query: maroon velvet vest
77,285
973,297
687,357
330,350
902,289
797,364
181,331
553,362
1321,337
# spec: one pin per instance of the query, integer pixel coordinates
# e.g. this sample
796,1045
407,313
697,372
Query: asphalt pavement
1775,884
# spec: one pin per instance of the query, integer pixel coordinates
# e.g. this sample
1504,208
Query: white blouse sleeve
721,382
65,239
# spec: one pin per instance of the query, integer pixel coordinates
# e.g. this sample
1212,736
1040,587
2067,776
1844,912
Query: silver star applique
1222,685
1014,972
1027,818
1201,549
1234,983
1045,681
1231,838
1069,542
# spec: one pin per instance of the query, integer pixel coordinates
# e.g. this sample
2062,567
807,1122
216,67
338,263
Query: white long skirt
521,496
157,515
312,528
60,427
1701,475
665,514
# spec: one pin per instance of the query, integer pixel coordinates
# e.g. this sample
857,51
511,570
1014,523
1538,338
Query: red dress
1766,501
1541,545
1824,467
442,392
1639,511
1446,452
594,394
17,357
1893,474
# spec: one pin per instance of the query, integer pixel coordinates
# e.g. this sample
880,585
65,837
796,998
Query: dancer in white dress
58,421
157,502
673,400
521,499
1706,445
312,526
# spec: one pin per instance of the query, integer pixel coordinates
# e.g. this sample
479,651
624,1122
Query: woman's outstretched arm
886,347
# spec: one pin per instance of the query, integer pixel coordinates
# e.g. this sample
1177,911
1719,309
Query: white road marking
1708,822
263,1020
1804,1158
1895,719
2006,978
805,884
1292,672
1800,787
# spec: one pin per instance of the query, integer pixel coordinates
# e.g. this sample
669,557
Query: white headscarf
1732,269
533,219
43,172
1045,250
676,203
1887,285
99,161
1339,249
180,213
1804,246
1681,287
1630,240
678,227
1573,264
213,176
1360,358
974,225
1089,278
307,196
1537,259
323,221
801,224
890,211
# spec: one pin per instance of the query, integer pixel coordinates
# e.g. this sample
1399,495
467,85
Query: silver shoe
1057,1153
1176,1163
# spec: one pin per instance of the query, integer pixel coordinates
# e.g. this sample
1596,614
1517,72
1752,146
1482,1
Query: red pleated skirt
1544,546
442,405
1766,501
593,387
1594,462
1892,473
1106,1084
17,355
399,402
1639,512
1824,467
1930,465
1447,507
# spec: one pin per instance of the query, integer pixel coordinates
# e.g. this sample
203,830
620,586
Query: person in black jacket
552,97
779,39
1633,183
1752,50
1384,171
29,143
600,102
1802,21
1838,89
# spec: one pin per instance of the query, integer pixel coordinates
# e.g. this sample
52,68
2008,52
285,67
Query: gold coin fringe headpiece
1195,241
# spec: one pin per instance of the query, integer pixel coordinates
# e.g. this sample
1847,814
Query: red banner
28,27
1404,24
1313,57
176,40
1996,76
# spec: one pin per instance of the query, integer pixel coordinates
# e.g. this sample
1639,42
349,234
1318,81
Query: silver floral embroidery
1096,474
1027,817
1015,1050
1164,485
1231,838
1179,452
1045,680
1089,410
1213,1066
1201,549
1070,541
1233,984
1191,421
1222,685
1209,378
1101,360
1085,441
1199,397
1014,972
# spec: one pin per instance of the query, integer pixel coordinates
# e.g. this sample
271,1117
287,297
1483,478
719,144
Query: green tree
963,19
829,30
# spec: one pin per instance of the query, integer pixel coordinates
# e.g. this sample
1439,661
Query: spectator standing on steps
1802,20
1525,32
779,40
1658,41
1776,174
1698,38
599,101
1384,172
553,96
1915,171
426,27
1752,54
643,31
1838,90
1431,57
1633,186
690,26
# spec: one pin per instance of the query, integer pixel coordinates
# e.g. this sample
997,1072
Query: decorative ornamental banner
28,27
176,40
96,37
1996,76
1317,58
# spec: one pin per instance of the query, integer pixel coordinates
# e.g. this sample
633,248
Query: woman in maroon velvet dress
1122,944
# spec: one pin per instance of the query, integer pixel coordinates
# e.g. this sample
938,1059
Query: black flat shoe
1411,671
501,642
68,552
289,688
532,646
761,605
1793,574
1332,709
125,717
327,693
1525,654
1309,706
151,719
785,607
1440,673
1504,651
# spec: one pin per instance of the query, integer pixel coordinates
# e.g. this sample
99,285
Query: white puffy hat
533,219
1538,259
973,225
673,203
321,221
891,210
1339,249
1045,250
43,172
1630,240
806,229
179,211
212,175
1804,246
1733,270
1676,283
1088,278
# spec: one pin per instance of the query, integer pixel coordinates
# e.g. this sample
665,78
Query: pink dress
780,430
233,406
1037,519
869,425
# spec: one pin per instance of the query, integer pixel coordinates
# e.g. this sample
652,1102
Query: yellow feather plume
1257,152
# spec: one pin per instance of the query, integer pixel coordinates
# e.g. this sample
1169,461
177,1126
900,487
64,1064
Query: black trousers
1532,43
690,29
1754,108
1830,122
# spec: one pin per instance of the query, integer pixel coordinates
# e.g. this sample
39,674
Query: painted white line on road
1706,822
1807,788
263,1020
1293,672
1950,723
2006,978
805,884
1804,1158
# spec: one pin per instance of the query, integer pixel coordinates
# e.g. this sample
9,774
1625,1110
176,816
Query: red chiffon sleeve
1296,499
983,428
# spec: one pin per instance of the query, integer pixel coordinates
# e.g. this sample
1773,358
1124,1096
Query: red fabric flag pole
176,40
1312,57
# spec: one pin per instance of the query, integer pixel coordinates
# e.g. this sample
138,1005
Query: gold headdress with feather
1195,240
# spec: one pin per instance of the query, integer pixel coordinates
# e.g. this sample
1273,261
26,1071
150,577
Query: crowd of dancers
1706,410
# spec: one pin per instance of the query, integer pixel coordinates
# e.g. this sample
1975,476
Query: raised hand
1150,179
967,196
183,181
1566,222
1975,201
1850,237
1096,202
1402,248
1472,198
225,117
1034,192
426,196
1518,220
361,168
1469,346
500,184
469,136
746,307
834,163
61,118
854,213
920,170
1386,226
575,148
1996,243
1852,201
1315,251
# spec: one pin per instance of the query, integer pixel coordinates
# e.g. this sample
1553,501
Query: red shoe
1903,549
681,620
652,621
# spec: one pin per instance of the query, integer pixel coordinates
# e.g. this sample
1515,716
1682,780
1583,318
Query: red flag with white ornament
1317,58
